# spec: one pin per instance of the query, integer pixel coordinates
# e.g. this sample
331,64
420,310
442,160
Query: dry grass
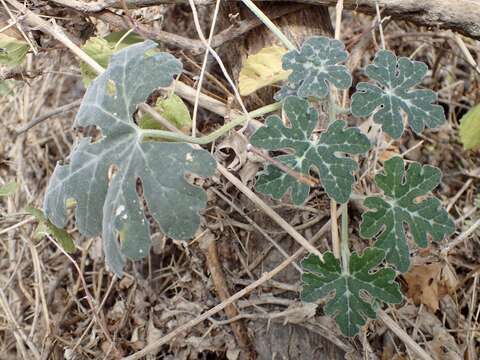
45,311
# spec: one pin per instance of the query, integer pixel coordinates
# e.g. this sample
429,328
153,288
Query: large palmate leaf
393,95
350,306
404,203
314,68
113,207
335,171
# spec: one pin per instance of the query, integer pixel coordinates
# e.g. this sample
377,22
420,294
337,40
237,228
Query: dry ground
44,310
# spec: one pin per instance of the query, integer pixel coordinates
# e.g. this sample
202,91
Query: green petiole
179,137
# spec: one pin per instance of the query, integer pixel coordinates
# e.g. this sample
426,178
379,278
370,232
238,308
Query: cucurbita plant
355,283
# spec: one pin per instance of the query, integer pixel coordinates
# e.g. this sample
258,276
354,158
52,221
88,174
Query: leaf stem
269,24
168,135
344,250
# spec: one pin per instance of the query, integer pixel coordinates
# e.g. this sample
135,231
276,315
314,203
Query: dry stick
263,279
39,119
209,246
269,211
461,238
89,296
204,68
397,330
17,332
255,225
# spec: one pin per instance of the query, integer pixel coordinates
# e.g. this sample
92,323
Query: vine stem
168,135
269,24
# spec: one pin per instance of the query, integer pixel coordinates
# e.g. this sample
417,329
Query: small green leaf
46,227
402,205
335,171
12,51
113,206
470,128
8,189
174,110
393,95
349,306
314,68
101,50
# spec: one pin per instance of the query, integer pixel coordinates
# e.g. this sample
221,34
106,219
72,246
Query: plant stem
344,250
168,135
269,24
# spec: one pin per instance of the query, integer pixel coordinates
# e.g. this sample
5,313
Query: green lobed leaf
470,128
392,95
101,50
349,306
335,171
113,207
46,227
315,68
401,205
8,189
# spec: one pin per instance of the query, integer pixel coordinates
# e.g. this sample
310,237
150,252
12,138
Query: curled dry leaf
262,69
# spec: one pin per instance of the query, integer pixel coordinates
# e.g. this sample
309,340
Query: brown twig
209,247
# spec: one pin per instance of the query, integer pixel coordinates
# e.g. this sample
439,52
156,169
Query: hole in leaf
111,88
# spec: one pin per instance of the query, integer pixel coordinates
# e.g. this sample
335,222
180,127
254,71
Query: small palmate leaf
335,171
350,306
113,207
314,68
404,204
393,95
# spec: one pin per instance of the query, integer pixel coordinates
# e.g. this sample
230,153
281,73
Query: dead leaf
238,144
262,69
422,281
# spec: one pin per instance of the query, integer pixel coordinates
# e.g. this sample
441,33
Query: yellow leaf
262,69
470,128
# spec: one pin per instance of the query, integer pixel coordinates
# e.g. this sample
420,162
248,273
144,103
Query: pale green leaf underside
470,128
114,208
335,171
393,95
315,68
401,206
349,306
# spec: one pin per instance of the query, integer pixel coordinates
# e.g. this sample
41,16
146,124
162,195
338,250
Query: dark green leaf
402,205
393,95
335,171
314,68
350,307
113,207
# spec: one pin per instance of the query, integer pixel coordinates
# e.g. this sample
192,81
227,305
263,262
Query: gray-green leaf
113,207
393,95
402,205
314,68
335,171
349,306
